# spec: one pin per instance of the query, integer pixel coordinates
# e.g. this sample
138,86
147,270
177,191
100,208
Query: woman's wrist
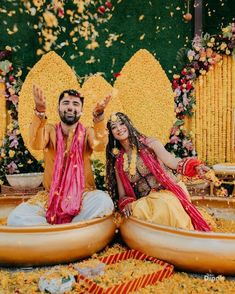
187,166
124,201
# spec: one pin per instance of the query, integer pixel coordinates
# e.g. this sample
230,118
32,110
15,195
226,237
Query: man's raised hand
100,106
39,99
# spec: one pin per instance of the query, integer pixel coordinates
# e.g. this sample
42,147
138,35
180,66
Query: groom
68,177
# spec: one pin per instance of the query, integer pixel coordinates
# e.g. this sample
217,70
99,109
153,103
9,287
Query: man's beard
69,118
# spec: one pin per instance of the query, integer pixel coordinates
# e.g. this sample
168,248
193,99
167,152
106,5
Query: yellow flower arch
146,95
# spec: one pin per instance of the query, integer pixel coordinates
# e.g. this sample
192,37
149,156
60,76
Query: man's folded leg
27,214
95,203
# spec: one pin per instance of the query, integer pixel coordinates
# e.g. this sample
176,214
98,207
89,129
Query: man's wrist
98,116
40,114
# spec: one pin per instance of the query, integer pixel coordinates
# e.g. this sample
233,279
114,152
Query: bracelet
186,166
41,115
97,114
124,201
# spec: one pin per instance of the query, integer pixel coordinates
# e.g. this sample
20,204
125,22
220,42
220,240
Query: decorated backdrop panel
213,124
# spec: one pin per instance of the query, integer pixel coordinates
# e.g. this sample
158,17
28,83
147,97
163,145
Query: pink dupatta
163,178
68,180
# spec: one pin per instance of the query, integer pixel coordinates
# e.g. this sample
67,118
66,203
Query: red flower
189,86
175,84
116,74
184,71
60,12
108,4
101,10
11,78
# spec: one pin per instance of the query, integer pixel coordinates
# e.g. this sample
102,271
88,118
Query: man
68,177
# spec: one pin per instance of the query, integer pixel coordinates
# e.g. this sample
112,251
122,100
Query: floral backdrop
206,51
14,157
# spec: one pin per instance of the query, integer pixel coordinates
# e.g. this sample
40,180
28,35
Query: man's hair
71,92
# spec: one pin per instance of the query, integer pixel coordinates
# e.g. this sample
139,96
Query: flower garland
14,157
130,166
206,51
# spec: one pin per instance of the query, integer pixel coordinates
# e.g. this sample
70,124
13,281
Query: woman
138,171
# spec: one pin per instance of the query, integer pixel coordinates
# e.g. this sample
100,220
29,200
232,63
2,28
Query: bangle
41,115
97,114
187,166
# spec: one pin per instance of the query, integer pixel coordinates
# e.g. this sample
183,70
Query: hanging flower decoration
206,51
14,157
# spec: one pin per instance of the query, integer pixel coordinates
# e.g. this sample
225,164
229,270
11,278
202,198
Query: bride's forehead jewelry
114,117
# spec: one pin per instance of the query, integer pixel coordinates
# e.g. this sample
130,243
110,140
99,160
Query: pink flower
174,130
177,92
174,139
197,42
14,144
179,108
187,144
14,99
185,99
191,54
11,168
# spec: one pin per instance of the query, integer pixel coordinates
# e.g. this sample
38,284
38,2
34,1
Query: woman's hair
134,139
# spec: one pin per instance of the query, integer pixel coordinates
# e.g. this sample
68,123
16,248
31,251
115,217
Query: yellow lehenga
155,204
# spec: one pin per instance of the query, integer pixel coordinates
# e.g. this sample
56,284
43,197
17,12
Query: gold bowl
43,245
194,251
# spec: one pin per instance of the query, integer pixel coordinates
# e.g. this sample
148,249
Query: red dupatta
163,178
68,180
